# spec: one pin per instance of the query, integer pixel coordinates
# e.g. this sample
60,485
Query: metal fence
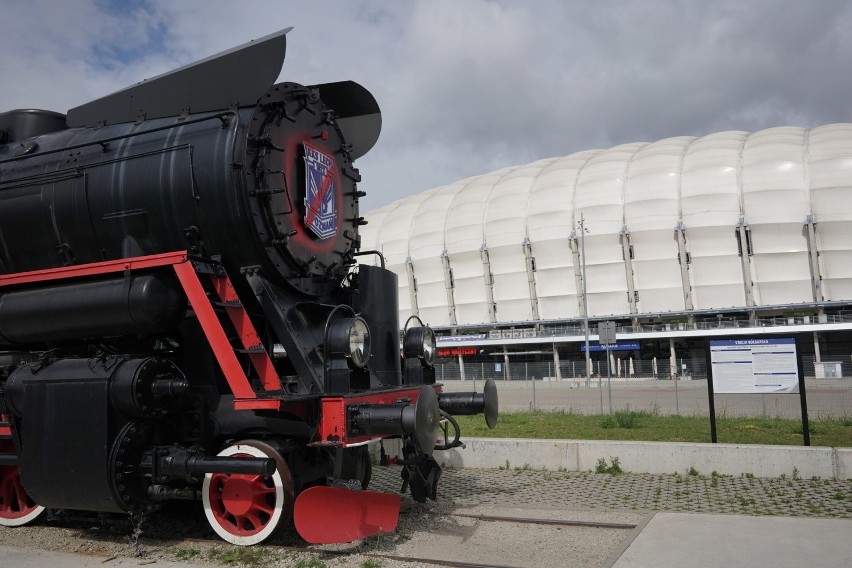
643,386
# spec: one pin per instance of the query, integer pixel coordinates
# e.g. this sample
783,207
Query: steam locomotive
182,314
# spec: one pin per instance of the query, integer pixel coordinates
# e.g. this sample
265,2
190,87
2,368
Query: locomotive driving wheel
248,509
16,507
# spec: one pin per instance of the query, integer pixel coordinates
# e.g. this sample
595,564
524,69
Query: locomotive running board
245,398
355,514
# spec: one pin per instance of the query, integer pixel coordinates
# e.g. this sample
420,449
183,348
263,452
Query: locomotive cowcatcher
182,315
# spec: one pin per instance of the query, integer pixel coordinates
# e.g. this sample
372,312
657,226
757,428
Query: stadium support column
627,253
744,249
412,286
578,272
450,284
489,283
684,260
507,370
817,354
813,256
672,359
558,371
530,262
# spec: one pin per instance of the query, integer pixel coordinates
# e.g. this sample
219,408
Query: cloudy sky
469,86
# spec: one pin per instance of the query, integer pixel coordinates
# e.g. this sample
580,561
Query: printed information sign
754,366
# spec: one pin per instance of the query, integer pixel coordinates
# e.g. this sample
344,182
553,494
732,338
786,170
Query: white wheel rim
22,520
270,526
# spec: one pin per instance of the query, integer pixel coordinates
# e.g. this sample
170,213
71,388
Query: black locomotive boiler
182,315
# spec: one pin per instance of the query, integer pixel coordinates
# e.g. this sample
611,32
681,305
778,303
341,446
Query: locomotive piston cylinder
186,463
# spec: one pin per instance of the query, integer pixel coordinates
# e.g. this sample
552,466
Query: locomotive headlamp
419,342
350,337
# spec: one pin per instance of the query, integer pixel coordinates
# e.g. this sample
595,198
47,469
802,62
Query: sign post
606,337
756,366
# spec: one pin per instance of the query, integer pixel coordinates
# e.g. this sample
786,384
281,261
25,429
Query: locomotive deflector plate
236,77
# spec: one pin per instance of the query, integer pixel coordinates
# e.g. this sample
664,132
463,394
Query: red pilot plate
326,515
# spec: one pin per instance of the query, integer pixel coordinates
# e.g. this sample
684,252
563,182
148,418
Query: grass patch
241,556
644,426
184,553
623,419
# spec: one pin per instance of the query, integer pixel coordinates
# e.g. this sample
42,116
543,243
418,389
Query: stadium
675,241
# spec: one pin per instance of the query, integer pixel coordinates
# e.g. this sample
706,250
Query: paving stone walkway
581,491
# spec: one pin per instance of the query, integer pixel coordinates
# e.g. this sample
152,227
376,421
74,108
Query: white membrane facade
729,220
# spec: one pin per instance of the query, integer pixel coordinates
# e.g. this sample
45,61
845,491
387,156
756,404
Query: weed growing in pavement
370,563
183,552
614,469
796,473
692,471
372,542
310,563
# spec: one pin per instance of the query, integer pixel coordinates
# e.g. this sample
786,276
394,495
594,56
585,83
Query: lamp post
585,298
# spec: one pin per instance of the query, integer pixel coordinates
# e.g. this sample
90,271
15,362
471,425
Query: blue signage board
621,346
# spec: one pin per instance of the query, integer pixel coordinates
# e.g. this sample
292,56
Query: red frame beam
94,269
212,327
244,396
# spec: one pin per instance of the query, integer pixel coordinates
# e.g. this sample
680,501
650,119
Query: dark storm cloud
469,87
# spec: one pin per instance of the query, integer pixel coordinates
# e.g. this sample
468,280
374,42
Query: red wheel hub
242,504
14,501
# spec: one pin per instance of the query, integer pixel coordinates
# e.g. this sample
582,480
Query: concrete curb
652,457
